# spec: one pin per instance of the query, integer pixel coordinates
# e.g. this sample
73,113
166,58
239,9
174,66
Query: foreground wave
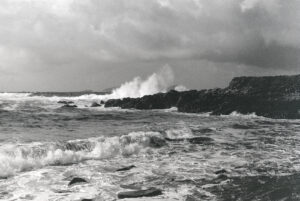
186,156
16,158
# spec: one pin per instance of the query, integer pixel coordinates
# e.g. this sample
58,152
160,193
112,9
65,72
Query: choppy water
235,157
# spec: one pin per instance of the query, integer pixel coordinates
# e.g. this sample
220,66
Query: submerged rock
157,142
203,131
77,180
195,140
200,140
95,104
150,192
222,177
126,168
222,171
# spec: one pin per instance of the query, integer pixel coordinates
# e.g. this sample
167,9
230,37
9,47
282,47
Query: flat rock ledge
150,192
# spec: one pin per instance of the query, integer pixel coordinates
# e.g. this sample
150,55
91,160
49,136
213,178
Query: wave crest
155,83
158,82
17,158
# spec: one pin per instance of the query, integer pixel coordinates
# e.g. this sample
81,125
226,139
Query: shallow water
235,157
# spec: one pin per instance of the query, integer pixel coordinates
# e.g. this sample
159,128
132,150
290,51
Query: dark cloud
59,36
259,53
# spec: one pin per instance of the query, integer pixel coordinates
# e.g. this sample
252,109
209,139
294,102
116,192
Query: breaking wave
160,81
237,114
14,96
16,158
157,82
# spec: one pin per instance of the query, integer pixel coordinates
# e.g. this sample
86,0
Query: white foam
180,88
172,109
237,114
182,132
14,95
17,158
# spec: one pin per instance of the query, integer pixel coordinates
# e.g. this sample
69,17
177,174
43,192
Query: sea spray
155,83
180,88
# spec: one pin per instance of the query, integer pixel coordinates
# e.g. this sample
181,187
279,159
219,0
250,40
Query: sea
43,145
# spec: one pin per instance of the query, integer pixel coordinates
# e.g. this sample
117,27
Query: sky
72,45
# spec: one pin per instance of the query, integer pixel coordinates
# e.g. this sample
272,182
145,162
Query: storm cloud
92,38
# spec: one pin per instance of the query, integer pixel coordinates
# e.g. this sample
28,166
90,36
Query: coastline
270,96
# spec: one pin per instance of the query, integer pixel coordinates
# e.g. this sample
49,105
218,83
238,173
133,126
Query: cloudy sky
69,45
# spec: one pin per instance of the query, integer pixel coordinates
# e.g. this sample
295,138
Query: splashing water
180,88
155,83
158,82
16,158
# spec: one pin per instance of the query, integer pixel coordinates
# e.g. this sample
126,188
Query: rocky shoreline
269,96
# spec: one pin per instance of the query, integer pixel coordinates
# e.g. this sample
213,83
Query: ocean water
188,156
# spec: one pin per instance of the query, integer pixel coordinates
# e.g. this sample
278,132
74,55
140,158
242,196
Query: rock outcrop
269,96
194,140
126,168
150,192
76,180
95,104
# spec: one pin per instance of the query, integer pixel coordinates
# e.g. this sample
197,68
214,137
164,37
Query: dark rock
157,142
126,168
269,85
195,140
222,171
65,102
94,104
87,199
222,177
274,97
77,180
203,131
150,192
200,140
62,191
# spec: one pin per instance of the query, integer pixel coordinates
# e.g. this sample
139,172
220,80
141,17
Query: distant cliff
270,96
